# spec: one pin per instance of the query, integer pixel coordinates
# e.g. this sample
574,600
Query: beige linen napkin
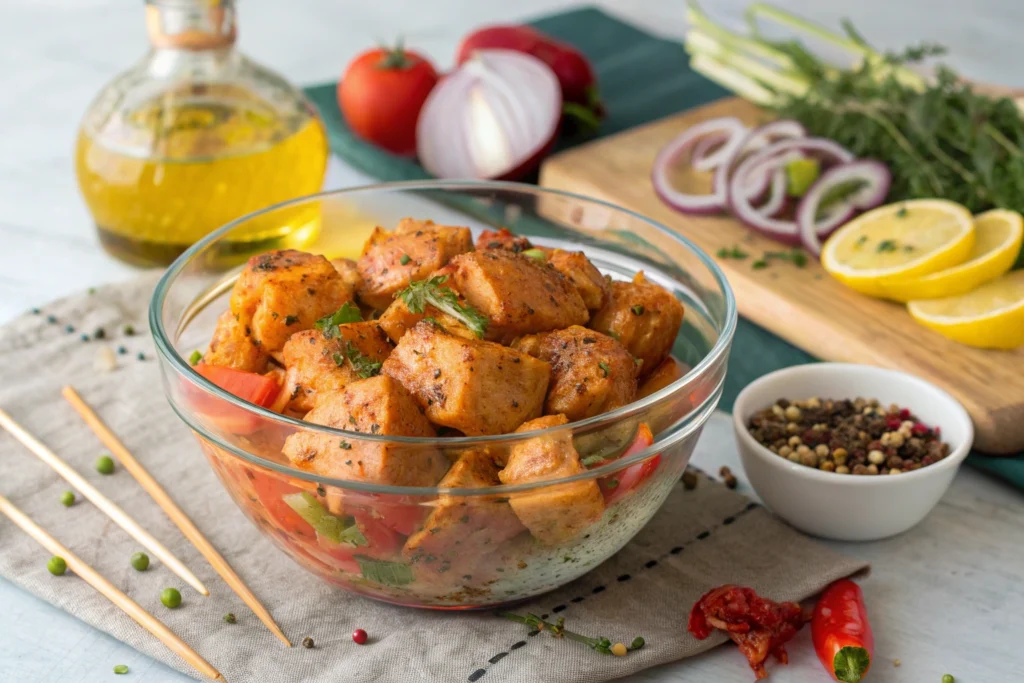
700,539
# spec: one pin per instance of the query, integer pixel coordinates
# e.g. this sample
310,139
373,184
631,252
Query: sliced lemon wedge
899,241
990,317
997,239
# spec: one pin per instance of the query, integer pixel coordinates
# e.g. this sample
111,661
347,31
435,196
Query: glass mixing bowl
454,548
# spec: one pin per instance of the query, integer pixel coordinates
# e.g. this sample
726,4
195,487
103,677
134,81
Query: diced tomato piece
401,515
615,487
248,386
271,491
382,542
342,556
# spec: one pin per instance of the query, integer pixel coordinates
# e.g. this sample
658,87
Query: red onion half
872,179
692,203
769,159
493,117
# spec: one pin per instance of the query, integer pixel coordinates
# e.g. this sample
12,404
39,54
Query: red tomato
342,556
248,386
382,542
271,491
616,486
381,95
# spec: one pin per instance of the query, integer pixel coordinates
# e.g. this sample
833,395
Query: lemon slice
899,241
991,316
997,239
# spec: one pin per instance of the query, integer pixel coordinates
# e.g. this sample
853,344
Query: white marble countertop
945,597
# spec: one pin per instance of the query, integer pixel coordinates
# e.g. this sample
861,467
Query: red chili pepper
841,632
581,99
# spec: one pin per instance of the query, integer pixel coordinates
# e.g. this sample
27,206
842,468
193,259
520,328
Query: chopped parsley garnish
886,245
383,572
902,213
604,367
195,358
795,256
638,309
759,264
535,254
348,313
290,320
345,446
418,295
733,253
405,259
364,366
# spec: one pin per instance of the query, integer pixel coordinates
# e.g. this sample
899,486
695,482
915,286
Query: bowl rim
951,461
181,366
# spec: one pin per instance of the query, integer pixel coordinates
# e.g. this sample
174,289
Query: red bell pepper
614,487
580,96
248,386
841,632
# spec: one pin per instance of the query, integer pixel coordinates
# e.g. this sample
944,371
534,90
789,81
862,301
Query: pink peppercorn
359,636
919,429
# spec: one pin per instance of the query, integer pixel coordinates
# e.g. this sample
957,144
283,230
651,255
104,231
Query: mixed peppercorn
848,437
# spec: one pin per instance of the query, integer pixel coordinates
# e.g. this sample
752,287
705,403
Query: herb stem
558,630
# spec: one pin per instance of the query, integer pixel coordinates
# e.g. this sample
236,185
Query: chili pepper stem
850,664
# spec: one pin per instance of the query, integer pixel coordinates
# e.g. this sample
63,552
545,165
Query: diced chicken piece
584,276
644,317
477,387
378,405
475,523
398,319
390,261
349,272
319,365
591,373
502,239
668,371
518,294
560,512
233,346
283,292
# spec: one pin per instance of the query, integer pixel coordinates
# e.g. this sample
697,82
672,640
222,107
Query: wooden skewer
177,515
119,516
109,591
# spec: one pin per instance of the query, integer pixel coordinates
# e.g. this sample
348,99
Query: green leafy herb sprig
558,630
348,313
939,137
363,365
431,292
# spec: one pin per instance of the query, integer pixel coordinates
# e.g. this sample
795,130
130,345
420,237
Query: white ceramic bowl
846,507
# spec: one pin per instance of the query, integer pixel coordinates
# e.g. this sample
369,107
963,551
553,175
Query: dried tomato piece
758,626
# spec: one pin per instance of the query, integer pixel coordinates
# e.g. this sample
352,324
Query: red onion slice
777,197
756,140
681,201
493,117
713,150
771,158
876,179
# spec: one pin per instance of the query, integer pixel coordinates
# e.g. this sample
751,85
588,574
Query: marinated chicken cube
377,405
398,319
283,292
472,522
233,346
317,364
475,386
516,293
349,272
644,317
667,372
560,512
584,276
390,261
502,239
591,373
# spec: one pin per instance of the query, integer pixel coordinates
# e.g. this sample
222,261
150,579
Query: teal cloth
642,78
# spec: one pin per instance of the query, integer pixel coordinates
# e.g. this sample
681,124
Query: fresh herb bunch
939,138
418,295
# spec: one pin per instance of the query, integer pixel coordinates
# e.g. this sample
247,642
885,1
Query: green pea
121,669
948,678
105,464
140,561
67,499
170,597
57,566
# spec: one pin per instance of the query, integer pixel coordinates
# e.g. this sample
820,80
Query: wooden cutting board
802,305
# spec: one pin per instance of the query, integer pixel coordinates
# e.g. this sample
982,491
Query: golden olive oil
165,175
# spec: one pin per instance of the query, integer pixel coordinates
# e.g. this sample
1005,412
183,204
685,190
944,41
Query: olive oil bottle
195,136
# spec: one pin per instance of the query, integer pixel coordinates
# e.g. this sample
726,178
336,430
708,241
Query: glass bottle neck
194,25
